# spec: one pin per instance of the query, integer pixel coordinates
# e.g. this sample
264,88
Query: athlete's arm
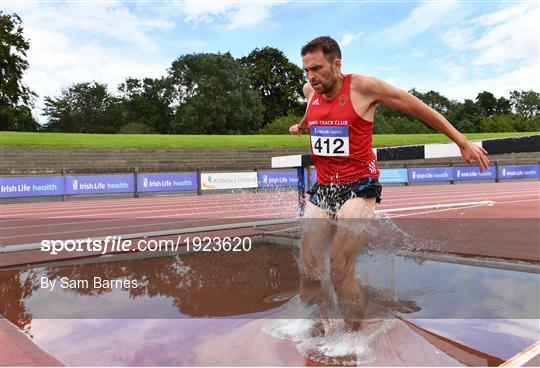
382,92
302,125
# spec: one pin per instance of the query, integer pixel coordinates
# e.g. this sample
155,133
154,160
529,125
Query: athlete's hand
295,129
471,152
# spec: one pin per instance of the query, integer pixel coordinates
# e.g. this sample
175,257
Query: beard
327,85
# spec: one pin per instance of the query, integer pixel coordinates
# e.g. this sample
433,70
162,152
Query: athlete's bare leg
347,242
315,243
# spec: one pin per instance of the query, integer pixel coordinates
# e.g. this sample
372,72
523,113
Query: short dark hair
326,44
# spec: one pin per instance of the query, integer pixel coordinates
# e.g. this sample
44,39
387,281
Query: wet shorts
331,197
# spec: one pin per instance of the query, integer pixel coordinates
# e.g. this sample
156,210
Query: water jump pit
243,309
431,299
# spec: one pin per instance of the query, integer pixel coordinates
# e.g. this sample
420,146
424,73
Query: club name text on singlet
341,141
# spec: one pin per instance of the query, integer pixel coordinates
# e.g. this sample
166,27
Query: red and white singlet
341,141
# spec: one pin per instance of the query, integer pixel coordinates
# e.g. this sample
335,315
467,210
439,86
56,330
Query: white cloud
205,10
422,18
454,71
503,15
521,78
349,37
92,20
237,13
249,15
107,41
509,39
417,54
458,38
73,42
502,53
501,37
59,66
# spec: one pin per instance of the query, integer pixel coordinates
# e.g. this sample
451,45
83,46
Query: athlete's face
321,73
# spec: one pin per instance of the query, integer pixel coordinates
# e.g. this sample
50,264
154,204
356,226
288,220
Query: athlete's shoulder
365,84
308,90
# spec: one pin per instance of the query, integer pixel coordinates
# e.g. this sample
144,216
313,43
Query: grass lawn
23,139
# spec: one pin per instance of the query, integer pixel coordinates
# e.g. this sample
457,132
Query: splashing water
322,335
338,347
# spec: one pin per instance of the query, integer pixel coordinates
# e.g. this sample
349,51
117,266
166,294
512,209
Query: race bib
330,140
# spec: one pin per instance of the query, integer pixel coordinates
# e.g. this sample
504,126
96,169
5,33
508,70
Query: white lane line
486,196
273,221
195,211
234,205
263,197
438,206
437,210
188,220
521,200
187,217
130,207
255,215
180,220
450,209
179,205
136,203
148,199
168,214
34,225
199,212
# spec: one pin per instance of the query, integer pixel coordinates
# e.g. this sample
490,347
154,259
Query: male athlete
339,116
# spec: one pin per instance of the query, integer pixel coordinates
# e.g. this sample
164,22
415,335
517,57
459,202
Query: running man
339,117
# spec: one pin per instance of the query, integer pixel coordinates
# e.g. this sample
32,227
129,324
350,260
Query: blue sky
458,48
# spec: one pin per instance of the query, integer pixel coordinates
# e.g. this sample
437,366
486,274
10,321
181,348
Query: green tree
380,125
15,97
83,108
498,123
434,100
147,102
487,102
465,116
282,124
388,112
525,103
503,106
18,119
533,125
214,96
510,123
136,128
403,125
278,80
391,121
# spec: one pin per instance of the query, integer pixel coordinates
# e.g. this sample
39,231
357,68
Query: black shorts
331,197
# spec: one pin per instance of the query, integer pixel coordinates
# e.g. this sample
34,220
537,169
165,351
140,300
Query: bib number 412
330,141
331,146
